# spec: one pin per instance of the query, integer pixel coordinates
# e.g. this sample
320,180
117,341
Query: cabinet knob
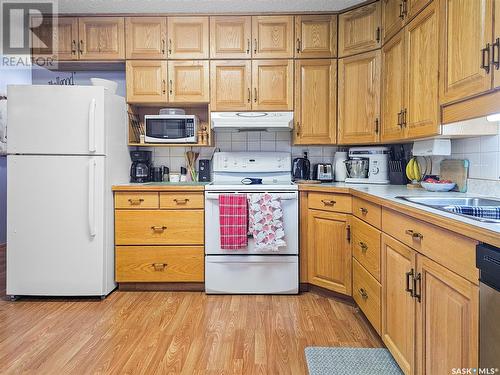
485,58
415,235
135,202
158,228
160,266
363,210
363,293
299,45
328,202
363,246
181,201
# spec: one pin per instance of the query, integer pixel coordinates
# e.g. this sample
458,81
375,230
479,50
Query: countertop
385,195
161,186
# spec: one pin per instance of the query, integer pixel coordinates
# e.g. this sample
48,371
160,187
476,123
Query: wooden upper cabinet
315,101
272,82
188,81
146,37
187,37
230,37
63,35
447,320
360,30
316,36
146,81
398,306
392,97
230,85
465,29
329,252
101,38
359,98
421,118
272,37
392,18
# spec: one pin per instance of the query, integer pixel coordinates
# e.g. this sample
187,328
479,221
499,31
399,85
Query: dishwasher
488,262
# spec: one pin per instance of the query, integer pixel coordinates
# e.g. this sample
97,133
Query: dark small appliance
204,170
140,170
301,168
323,172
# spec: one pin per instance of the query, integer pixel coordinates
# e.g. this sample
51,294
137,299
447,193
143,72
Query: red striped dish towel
233,221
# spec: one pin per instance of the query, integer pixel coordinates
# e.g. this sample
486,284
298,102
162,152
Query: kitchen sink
446,204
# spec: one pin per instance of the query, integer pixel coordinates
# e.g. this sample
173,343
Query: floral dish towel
265,221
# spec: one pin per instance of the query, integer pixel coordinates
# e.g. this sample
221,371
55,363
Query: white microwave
171,128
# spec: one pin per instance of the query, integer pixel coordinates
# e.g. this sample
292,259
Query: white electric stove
249,271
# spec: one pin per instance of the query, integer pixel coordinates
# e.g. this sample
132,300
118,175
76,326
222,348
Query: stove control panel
262,162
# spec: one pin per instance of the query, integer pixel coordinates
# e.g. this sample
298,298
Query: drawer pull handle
414,234
135,201
158,228
363,246
363,210
328,203
159,266
181,201
409,277
363,293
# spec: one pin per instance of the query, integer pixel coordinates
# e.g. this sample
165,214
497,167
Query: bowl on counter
437,187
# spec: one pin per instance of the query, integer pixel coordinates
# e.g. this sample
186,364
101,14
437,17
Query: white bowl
111,86
430,186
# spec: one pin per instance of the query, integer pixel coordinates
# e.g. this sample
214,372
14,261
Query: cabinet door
360,30
359,98
272,82
329,251
447,320
316,36
101,38
393,62
398,305
465,29
188,81
230,82
146,81
422,61
315,101
392,18
146,37
272,37
187,37
64,35
230,37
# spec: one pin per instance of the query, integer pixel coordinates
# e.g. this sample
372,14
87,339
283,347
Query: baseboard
166,287
330,294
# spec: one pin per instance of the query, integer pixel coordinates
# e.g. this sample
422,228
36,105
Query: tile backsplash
173,157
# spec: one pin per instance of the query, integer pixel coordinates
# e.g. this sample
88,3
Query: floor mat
350,361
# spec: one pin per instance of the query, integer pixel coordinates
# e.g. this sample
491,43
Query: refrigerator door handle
92,147
91,208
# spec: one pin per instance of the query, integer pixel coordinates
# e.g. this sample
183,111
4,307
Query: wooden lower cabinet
329,251
398,305
159,263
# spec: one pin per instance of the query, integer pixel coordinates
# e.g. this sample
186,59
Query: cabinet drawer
159,227
181,200
139,200
366,246
159,264
450,249
330,202
366,292
367,211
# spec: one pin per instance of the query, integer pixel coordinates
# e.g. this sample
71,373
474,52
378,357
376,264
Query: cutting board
457,171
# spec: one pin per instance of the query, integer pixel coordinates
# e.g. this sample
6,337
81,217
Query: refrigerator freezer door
56,120
55,229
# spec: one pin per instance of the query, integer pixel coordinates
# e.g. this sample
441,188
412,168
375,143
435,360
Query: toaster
323,172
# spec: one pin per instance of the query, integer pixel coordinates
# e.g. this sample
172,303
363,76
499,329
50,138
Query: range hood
251,121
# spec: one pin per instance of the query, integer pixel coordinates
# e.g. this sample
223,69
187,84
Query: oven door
169,130
290,206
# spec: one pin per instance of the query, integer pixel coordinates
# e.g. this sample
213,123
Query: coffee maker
140,170
368,165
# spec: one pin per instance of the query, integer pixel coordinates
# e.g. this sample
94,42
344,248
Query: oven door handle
283,196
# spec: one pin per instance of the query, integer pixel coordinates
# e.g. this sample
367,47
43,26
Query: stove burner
251,181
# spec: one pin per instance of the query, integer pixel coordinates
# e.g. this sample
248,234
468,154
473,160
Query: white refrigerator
66,147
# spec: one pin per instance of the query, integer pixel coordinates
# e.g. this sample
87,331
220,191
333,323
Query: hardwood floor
174,333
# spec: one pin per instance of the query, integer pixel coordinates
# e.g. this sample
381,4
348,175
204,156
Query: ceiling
201,6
